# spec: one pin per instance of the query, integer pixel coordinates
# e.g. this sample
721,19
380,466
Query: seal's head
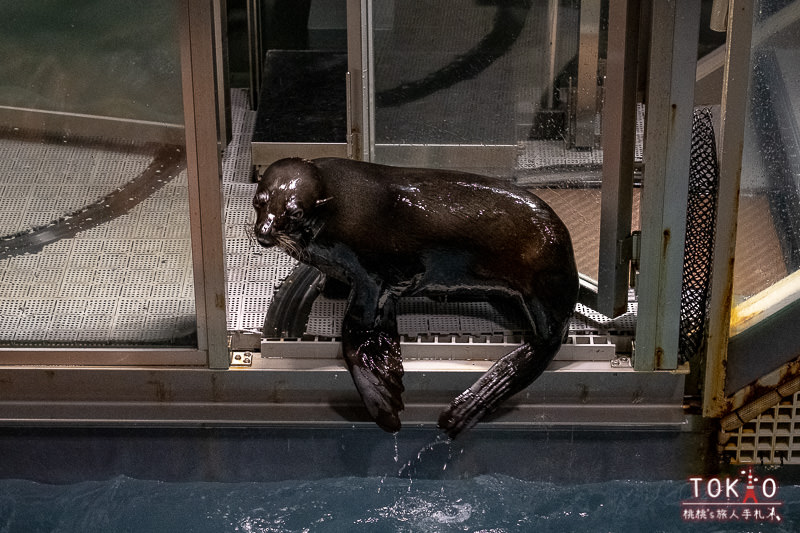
286,201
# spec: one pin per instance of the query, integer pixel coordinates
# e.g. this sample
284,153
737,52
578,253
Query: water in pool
417,494
484,503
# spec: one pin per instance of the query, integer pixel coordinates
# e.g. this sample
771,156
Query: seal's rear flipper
377,369
509,375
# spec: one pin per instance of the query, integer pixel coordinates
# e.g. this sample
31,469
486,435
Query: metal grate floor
467,330
771,438
252,271
539,160
127,281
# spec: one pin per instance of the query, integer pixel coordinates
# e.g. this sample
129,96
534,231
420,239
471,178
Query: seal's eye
296,214
260,200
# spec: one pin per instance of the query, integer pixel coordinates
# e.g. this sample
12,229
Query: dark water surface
483,503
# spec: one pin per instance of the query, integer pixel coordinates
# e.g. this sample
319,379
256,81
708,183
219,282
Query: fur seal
391,231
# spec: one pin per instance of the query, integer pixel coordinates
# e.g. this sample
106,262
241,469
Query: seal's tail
509,375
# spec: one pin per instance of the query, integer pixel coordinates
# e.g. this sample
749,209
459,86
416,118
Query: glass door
301,60
455,83
495,88
95,247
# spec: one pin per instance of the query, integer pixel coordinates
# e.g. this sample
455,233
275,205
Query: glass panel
303,97
116,59
301,113
458,72
768,235
478,86
95,246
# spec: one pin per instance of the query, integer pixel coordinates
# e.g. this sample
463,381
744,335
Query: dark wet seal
389,232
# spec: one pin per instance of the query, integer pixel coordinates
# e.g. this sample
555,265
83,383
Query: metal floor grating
127,281
423,317
252,272
548,155
771,438
474,329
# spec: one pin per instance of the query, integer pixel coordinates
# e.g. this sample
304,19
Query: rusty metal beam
670,101
734,103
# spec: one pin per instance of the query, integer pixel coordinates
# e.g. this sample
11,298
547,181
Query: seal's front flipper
509,375
376,365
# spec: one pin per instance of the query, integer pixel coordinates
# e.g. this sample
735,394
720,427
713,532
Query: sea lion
390,231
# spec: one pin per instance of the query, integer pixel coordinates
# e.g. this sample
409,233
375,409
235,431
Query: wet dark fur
389,231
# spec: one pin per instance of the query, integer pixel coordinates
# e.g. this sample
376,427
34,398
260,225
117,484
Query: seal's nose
265,240
263,231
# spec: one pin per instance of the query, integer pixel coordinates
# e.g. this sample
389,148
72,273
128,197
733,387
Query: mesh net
701,214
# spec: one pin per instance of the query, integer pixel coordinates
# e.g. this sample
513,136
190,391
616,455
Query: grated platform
772,438
130,281
125,281
252,271
539,160
461,330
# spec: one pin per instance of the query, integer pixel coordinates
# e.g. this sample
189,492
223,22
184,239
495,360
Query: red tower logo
719,499
750,488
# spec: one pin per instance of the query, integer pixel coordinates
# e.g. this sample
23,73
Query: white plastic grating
478,328
772,438
252,271
591,320
544,154
80,290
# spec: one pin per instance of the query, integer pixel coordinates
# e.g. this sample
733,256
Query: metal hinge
353,136
630,248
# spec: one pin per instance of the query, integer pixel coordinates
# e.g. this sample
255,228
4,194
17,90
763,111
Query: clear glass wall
94,229
485,87
768,234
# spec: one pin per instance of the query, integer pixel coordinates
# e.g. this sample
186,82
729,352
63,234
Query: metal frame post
204,168
586,108
222,72
673,62
360,141
736,77
619,132
254,50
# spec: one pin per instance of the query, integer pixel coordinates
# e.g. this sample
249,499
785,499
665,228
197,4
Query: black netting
698,252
